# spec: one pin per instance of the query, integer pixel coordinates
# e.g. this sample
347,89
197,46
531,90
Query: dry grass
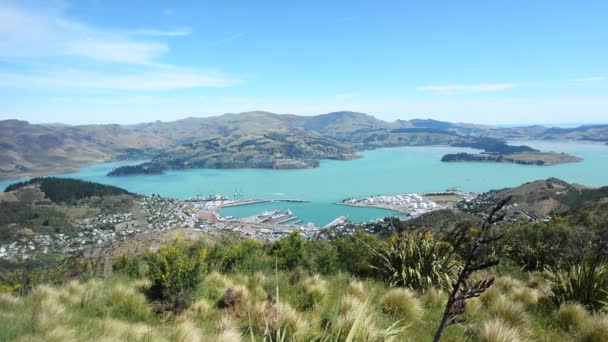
496,330
7,300
186,332
403,303
60,334
526,295
511,312
572,316
48,312
490,296
125,331
355,288
229,335
595,330
434,297
200,308
351,310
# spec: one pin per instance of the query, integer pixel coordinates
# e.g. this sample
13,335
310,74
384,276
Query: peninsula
524,158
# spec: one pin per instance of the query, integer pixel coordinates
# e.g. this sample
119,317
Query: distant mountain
29,150
253,139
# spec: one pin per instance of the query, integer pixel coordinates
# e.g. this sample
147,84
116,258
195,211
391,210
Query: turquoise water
383,171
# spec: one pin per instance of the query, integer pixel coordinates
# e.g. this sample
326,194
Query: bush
292,251
175,274
355,253
585,283
324,257
541,245
134,268
419,261
248,256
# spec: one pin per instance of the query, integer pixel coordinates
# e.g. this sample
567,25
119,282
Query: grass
115,309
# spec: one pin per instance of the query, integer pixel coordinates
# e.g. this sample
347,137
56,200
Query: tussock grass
7,300
496,330
229,335
507,284
434,297
511,312
200,308
472,306
48,312
355,318
595,330
403,303
572,316
356,288
60,333
114,328
186,332
526,295
115,309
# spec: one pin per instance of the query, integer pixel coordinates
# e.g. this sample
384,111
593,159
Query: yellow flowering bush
175,272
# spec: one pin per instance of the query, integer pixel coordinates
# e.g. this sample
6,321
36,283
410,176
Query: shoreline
76,168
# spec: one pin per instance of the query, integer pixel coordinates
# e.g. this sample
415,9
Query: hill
55,206
541,198
250,139
31,150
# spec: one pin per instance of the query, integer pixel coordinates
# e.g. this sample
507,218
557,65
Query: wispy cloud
181,32
41,32
38,35
161,78
470,88
591,79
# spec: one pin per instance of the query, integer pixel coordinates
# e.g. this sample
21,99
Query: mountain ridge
39,149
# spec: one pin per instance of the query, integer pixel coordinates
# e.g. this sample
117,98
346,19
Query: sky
490,62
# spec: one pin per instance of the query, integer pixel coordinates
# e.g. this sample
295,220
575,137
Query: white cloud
160,78
32,36
591,79
40,32
471,88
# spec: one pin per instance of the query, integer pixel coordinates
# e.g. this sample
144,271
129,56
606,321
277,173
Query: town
155,213
414,204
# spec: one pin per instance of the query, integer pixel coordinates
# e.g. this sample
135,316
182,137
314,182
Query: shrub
541,245
496,330
324,257
583,283
292,251
355,254
131,267
403,303
419,261
175,273
247,256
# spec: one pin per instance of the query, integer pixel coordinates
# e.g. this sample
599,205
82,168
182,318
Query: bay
382,171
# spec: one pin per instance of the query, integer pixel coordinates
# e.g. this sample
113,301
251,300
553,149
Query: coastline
13,177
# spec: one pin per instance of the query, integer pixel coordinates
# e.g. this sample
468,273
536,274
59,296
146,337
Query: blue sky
496,62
